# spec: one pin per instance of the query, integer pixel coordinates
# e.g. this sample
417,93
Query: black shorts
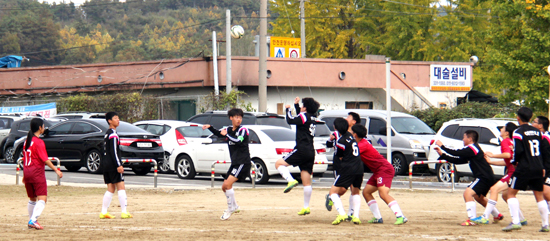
112,177
523,183
348,180
481,186
240,171
302,159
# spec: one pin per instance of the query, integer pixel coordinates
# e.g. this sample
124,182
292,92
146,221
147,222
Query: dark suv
219,119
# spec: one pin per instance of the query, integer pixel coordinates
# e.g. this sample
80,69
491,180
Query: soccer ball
237,31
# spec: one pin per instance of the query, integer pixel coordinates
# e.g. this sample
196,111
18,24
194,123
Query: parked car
219,119
81,115
172,134
79,143
6,120
20,129
267,145
451,134
410,136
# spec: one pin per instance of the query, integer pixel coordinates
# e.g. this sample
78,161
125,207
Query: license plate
144,144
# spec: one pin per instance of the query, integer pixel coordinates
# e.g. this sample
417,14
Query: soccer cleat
106,216
35,225
348,219
511,227
355,220
523,222
544,229
401,220
339,219
290,185
126,215
482,220
498,218
226,214
237,209
304,211
468,223
376,220
328,202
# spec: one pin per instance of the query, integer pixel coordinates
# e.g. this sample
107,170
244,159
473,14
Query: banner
450,77
44,110
282,47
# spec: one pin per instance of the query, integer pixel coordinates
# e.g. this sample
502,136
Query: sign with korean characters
450,77
44,110
282,47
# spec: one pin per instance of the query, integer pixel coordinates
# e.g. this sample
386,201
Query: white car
5,124
80,115
451,134
173,133
267,145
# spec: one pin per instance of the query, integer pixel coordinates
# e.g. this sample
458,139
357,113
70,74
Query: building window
358,105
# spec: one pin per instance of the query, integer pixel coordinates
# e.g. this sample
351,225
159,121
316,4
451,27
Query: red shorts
380,179
506,178
36,189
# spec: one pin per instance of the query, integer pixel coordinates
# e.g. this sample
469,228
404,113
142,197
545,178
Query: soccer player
380,180
529,173
350,173
303,154
113,169
34,177
506,149
541,123
485,178
237,141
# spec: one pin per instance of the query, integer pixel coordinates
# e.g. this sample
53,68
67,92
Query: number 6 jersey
528,154
305,129
348,150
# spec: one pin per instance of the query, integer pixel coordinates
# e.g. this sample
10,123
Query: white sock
521,217
471,209
513,204
106,201
543,209
123,200
30,208
356,205
307,195
338,204
395,208
351,209
285,173
489,208
38,208
495,212
230,195
373,206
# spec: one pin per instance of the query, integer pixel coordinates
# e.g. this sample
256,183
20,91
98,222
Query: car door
83,137
55,138
377,127
215,151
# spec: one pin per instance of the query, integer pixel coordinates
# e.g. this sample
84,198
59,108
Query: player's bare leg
335,193
306,181
37,211
282,167
227,188
373,205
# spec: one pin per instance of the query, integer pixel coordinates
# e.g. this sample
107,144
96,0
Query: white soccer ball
237,31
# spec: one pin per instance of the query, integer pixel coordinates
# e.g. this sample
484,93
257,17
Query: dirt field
267,214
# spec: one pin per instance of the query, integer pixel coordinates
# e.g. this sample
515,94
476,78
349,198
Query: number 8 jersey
348,150
528,156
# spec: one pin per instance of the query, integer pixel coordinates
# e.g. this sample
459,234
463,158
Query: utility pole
388,109
228,50
215,61
302,29
262,82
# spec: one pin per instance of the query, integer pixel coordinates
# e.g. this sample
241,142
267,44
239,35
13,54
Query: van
410,136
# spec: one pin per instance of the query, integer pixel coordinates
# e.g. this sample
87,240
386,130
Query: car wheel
93,161
444,173
185,167
399,163
141,171
164,166
261,172
8,154
72,168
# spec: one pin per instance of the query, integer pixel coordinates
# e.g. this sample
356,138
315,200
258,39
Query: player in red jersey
35,158
380,180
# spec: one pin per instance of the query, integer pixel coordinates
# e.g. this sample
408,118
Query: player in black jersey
113,169
237,139
351,168
303,154
485,178
542,123
529,154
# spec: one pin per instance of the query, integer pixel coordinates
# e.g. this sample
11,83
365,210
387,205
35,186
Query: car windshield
272,121
280,134
411,125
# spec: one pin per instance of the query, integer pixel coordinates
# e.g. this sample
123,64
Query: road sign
290,47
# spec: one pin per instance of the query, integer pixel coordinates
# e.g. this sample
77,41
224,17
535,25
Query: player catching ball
237,140
35,158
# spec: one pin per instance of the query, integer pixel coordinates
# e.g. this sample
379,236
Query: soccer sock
543,209
395,208
373,206
230,195
513,204
307,195
30,208
338,204
489,208
356,204
285,173
106,201
495,212
38,208
351,209
123,200
521,217
471,209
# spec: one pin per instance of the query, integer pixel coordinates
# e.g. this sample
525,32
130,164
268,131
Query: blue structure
11,61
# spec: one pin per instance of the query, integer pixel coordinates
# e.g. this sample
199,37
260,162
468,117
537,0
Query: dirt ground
267,214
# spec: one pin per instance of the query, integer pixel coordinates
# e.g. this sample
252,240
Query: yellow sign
282,47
